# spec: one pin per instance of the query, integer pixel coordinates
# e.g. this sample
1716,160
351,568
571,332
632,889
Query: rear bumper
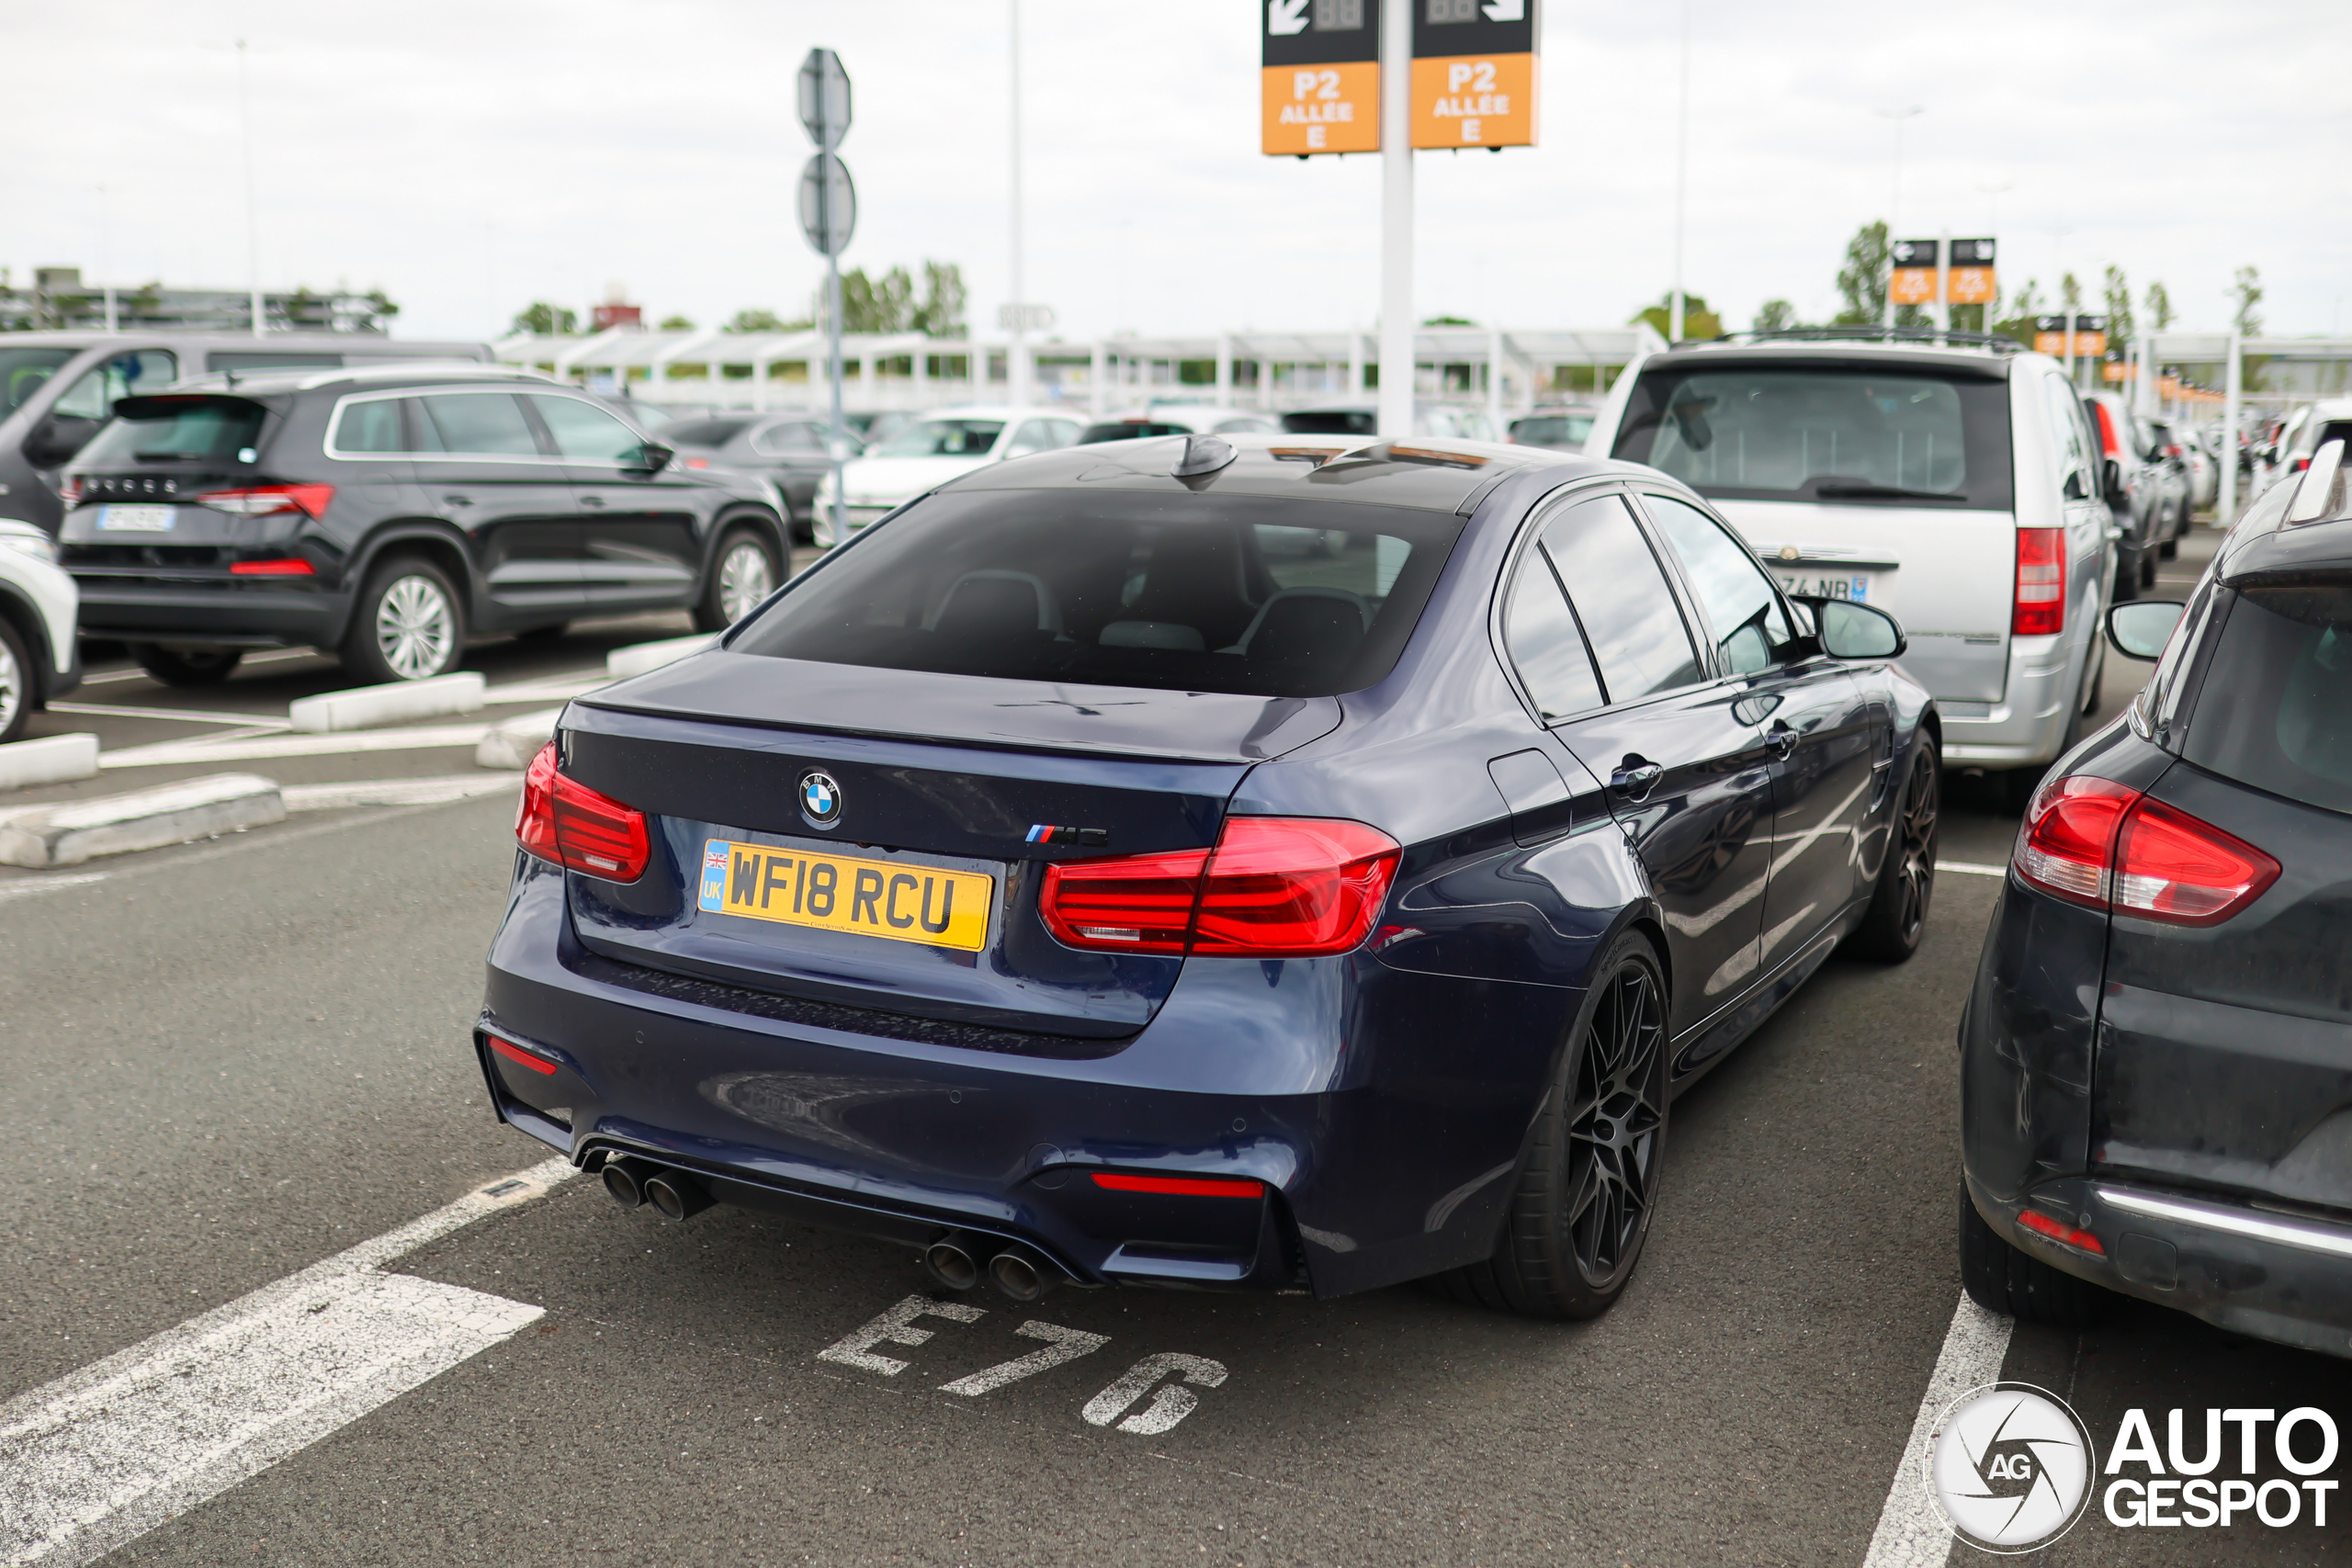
2027,726
2274,1276
1338,1084
258,613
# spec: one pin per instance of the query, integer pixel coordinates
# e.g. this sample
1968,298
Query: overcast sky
468,156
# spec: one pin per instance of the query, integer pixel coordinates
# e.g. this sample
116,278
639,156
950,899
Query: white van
1954,482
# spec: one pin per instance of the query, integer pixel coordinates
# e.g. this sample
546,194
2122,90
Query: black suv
386,514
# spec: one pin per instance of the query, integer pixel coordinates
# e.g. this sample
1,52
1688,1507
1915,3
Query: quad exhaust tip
1019,1277
624,1180
950,1266
677,1196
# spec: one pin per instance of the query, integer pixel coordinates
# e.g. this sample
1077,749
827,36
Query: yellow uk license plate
848,893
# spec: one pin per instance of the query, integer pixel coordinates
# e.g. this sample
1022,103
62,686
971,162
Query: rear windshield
1842,434
2274,708
175,430
1329,421
942,438
1191,592
703,432
24,371
1552,430
1128,429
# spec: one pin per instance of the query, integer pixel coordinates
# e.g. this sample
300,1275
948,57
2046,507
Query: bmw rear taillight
566,823
270,500
1273,887
2105,845
2041,583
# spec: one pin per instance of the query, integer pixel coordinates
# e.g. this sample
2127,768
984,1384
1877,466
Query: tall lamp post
1894,196
1681,176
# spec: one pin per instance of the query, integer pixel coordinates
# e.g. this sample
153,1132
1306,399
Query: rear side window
373,425
474,423
1545,643
1129,429
2275,708
585,432
1621,596
788,440
943,438
1842,434
175,430
1205,594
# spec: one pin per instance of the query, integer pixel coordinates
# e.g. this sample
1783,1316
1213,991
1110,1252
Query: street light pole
253,223
1396,414
1894,200
1016,367
1681,177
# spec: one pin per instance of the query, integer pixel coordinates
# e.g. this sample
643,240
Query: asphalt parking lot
227,1062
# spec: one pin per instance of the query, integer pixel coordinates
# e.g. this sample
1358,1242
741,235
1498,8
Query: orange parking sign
1474,100
1321,108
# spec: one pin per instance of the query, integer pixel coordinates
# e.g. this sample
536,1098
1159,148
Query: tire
2127,573
1588,1184
15,684
2147,568
408,623
742,572
2001,1279
1897,917
188,666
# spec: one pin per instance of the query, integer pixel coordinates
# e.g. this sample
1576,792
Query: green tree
1448,321
1774,316
676,325
2160,310
883,304
756,320
2247,290
941,314
1697,321
2023,307
2120,327
548,321
1862,282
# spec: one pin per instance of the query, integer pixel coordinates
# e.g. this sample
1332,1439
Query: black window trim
549,455
1714,654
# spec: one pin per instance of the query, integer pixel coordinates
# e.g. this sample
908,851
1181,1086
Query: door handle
1636,778
1781,739
456,501
592,501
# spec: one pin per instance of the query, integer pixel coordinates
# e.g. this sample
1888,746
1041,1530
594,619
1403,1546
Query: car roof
1431,474
400,375
2265,547
998,411
320,341
1991,364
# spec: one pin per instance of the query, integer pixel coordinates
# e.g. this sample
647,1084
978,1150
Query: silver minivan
1956,485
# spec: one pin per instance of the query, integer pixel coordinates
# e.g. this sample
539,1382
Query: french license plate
136,519
1854,585
848,893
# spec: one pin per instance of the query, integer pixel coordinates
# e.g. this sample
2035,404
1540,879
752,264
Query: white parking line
193,715
1911,1533
1969,867
268,748
395,792
105,1454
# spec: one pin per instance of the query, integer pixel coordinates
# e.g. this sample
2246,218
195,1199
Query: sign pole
828,214
1395,415
1016,361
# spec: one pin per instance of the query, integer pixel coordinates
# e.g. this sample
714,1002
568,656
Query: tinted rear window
1128,429
2274,708
1196,592
1330,422
175,430
1842,435
703,432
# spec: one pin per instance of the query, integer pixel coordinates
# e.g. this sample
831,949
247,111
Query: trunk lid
932,779
1946,574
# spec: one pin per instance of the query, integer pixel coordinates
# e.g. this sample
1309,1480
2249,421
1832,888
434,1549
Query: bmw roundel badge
820,799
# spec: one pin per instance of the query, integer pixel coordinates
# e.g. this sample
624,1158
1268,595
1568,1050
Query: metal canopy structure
2319,361
1500,368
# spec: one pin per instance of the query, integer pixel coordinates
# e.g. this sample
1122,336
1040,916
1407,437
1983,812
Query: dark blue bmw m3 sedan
1265,863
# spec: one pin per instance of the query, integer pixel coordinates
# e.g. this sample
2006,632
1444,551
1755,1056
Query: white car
41,658
932,449
1957,487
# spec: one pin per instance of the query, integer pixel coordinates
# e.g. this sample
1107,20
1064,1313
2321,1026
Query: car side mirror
53,441
1845,629
2140,628
651,458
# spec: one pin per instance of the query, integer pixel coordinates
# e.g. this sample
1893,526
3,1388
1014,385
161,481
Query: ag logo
820,799
2011,1466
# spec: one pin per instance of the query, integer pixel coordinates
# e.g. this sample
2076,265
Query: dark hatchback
1093,873
2157,1052
386,514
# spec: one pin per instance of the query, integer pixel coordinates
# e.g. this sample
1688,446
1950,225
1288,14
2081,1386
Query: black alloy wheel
1897,917
1588,1184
